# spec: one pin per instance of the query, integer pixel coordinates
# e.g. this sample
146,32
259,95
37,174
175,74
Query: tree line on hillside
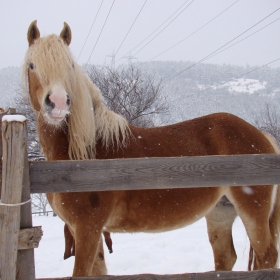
209,74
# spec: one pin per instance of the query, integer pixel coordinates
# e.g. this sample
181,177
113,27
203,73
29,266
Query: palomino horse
74,123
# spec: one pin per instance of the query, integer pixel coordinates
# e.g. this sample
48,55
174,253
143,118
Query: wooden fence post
14,141
25,258
3,112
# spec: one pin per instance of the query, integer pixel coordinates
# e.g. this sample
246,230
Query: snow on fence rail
17,262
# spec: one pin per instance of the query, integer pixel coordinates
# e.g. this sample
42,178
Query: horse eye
31,66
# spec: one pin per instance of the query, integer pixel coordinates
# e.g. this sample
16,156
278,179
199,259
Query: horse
73,123
69,250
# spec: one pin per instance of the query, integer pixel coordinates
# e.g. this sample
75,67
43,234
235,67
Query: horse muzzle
56,104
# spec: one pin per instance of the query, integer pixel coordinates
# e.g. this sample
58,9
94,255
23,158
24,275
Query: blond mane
89,119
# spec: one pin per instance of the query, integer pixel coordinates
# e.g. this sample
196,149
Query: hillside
208,88
203,89
9,85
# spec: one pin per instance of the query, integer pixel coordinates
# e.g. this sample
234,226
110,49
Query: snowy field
179,251
242,85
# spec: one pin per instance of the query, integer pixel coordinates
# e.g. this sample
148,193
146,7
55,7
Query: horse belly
162,210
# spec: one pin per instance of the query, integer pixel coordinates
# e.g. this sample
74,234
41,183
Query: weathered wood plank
25,258
64,278
265,274
154,173
2,113
14,156
29,238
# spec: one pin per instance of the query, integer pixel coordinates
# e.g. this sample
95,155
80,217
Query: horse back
215,134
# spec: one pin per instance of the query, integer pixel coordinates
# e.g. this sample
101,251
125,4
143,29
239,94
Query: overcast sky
259,49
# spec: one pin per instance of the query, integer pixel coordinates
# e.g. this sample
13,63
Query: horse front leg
89,254
99,265
86,215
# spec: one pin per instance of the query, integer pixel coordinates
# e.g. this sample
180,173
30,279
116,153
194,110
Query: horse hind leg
69,243
219,227
255,210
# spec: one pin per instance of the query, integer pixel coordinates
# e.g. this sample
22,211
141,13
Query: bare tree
39,200
40,203
130,93
269,121
22,105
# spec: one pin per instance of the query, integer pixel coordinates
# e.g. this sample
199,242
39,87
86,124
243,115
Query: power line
236,77
90,29
194,31
101,31
263,52
245,38
131,27
113,55
156,28
162,30
211,54
130,57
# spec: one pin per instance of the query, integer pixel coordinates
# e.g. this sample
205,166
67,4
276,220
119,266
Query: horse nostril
48,102
68,101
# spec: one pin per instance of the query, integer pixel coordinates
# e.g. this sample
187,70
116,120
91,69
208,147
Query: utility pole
113,56
129,58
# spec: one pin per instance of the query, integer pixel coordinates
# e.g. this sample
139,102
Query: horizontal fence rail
154,173
265,274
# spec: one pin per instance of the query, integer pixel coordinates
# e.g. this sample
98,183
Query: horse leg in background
69,243
108,241
260,216
219,227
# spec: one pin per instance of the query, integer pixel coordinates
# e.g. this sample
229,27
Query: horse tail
274,221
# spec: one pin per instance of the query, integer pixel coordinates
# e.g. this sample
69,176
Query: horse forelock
89,118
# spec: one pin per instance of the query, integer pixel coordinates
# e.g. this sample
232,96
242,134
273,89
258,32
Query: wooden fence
20,178
46,213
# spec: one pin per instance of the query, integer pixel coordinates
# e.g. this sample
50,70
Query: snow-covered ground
241,85
244,85
179,251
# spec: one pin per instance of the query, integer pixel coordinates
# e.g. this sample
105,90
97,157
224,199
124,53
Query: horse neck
54,142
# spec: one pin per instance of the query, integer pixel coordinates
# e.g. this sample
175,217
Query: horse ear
33,33
66,34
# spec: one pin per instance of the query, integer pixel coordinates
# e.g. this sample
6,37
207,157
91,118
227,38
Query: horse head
64,98
47,62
